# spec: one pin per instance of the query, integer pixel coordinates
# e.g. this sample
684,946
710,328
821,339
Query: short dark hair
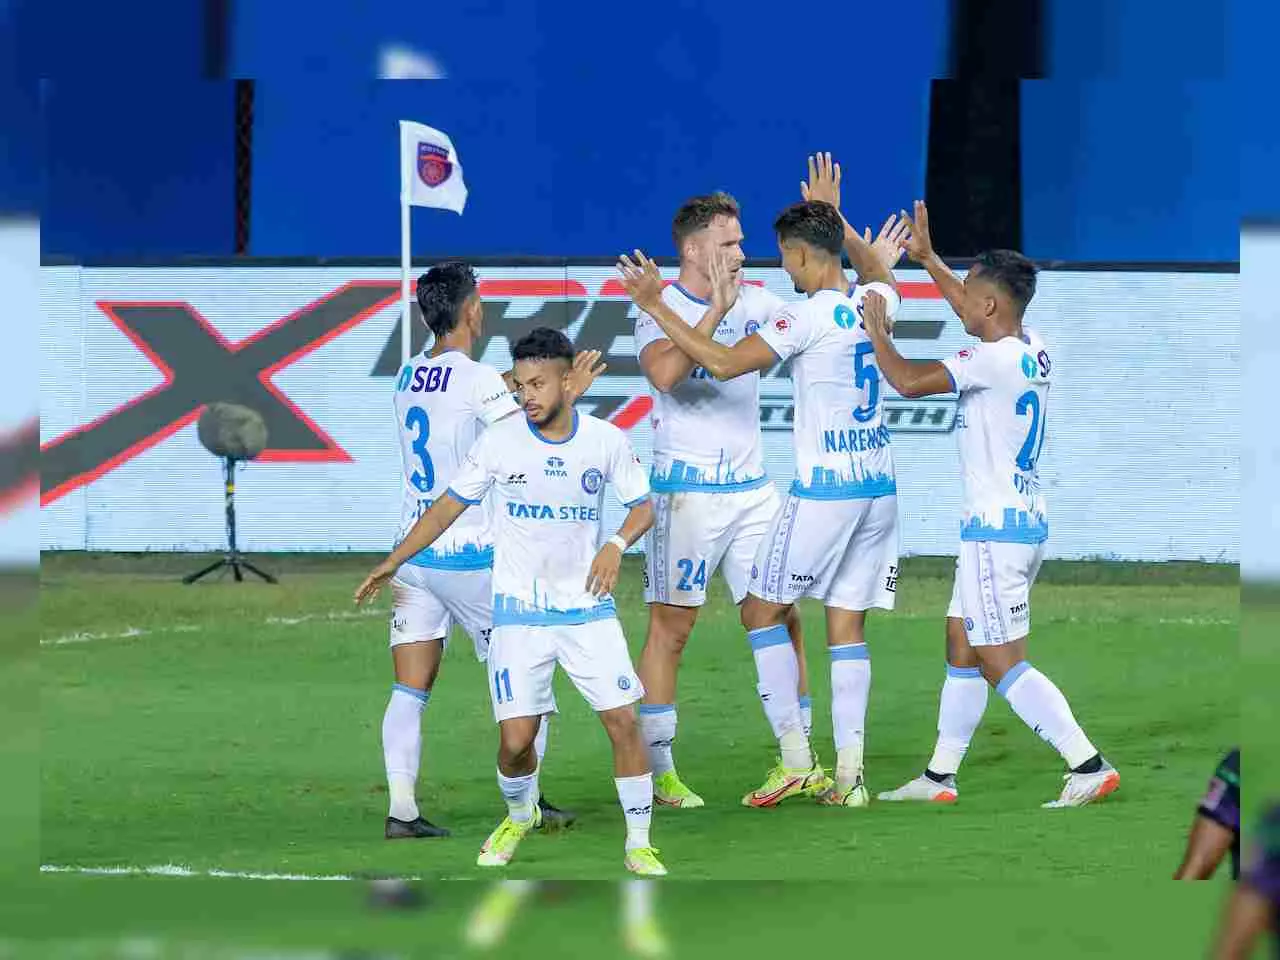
696,214
442,291
813,221
1013,272
543,344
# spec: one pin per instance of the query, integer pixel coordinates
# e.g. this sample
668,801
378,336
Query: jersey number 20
416,420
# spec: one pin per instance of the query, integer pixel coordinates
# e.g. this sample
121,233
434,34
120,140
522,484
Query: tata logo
555,468
801,579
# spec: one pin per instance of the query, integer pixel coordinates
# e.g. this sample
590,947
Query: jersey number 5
416,420
866,377
1030,452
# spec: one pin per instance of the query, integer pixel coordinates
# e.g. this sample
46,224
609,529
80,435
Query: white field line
178,870
366,613
332,616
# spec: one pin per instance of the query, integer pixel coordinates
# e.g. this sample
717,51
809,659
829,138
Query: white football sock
806,714
1043,708
636,796
960,710
540,750
517,792
779,674
658,728
402,749
850,689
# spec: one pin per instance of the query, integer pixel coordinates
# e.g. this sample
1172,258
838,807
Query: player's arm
468,488
631,485
608,561
1206,846
920,246
911,378
643,284
665,364
823,186
438,518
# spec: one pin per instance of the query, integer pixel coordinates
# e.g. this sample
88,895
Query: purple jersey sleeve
1221,800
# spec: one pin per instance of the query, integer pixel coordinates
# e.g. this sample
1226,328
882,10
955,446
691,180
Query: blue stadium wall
579,135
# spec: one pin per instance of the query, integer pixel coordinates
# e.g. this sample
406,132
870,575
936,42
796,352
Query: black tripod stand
233,557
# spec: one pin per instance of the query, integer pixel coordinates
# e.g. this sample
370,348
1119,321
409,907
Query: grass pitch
236,727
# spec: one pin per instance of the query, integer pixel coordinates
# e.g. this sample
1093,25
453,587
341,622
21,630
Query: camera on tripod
236,434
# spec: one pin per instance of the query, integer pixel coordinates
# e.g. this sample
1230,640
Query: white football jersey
1004,401
706,434
841,445
547,499
442,404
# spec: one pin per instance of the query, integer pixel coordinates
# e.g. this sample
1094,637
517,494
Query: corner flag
430,176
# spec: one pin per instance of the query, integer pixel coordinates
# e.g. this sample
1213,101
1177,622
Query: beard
548,414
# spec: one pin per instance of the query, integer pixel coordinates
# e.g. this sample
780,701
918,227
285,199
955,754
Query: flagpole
405,255
405,303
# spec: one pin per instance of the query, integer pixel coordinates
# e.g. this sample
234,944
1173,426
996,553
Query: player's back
706,432
442,405
841,444
1000,430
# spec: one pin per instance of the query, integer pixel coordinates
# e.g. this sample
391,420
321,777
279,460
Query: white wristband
618,542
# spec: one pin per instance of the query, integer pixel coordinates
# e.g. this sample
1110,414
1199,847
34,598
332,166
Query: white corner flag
430,176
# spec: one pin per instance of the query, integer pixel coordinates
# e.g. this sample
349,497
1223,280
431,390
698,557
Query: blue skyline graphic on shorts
825,484
682,476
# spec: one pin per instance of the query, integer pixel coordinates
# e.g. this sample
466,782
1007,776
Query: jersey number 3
416,420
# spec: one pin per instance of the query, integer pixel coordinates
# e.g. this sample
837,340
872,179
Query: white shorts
843,552
695,532
992,590
522,662
427,602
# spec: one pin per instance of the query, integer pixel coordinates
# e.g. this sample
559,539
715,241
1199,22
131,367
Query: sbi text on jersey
571,512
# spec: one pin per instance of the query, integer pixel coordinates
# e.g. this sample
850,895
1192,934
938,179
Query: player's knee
669,630
757,614
959,653
515,743
620,724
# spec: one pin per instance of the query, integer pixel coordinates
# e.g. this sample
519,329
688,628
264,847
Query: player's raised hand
875,315
824,180
374,582
919,244
641,279
604,570
890,243
724,282
587,365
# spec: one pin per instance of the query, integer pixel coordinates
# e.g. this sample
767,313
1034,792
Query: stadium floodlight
235,434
